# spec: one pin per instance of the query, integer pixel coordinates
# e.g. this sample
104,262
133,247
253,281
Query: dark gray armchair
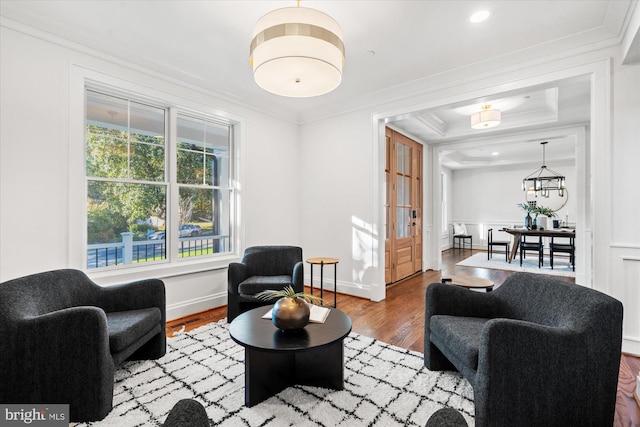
538,351
262,268
187,413
63,335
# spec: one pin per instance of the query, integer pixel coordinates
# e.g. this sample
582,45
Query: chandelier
297,52
485,119
544,180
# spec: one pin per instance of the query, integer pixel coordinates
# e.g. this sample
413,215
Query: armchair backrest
46,292
557,303
271,260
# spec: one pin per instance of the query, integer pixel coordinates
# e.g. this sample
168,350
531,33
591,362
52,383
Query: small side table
470,282
322,261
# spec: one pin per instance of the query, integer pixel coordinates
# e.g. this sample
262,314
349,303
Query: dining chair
563,246
532,246
491,243
460,233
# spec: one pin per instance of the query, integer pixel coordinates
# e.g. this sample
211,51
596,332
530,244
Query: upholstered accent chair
446,417
262,268
63,335
538,351
187,413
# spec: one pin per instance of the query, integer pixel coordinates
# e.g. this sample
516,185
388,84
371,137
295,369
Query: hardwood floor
399,320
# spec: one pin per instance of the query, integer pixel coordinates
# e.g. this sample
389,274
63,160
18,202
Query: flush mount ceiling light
544,180
297,52
487,118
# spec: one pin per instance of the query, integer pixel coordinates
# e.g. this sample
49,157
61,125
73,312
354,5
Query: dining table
553,232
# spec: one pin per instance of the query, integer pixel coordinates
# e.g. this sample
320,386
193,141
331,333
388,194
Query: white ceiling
389,44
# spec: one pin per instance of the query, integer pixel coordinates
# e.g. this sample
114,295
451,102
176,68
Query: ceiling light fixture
487,118
297,52
544,179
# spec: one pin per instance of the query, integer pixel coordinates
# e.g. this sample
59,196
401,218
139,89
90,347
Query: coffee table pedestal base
268,373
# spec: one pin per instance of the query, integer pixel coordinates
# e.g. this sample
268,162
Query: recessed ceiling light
479,16
495,153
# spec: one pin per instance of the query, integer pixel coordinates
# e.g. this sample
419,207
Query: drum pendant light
297,52
485,119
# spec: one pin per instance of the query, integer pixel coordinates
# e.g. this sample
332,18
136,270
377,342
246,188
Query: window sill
130,273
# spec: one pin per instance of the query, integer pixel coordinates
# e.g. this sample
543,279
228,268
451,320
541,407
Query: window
150,198
203,182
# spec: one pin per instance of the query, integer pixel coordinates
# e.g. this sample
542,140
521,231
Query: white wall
36,178
335,199
624,254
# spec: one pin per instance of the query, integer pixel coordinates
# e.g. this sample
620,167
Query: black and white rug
561,265
384,386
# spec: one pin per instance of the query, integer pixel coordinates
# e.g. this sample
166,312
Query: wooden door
403,207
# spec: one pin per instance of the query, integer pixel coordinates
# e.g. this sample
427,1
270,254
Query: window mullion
129,138
174,191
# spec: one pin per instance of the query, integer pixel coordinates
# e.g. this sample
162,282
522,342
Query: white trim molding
623,285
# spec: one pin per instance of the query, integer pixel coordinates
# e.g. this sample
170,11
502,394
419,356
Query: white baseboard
362,291
631,346
196,305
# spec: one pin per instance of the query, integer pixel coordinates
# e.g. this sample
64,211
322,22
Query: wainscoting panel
479,232
625,285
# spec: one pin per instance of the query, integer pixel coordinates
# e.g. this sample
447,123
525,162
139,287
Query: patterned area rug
384,386
561,266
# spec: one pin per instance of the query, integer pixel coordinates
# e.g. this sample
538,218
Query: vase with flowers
528,221
541,215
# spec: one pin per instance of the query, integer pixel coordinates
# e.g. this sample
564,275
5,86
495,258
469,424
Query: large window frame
83,79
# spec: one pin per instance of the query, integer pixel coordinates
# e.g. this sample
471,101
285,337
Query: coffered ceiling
526,117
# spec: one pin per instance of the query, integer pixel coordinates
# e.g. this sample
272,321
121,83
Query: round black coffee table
275,360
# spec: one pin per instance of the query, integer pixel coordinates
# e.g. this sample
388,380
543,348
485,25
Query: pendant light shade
487,118
297,52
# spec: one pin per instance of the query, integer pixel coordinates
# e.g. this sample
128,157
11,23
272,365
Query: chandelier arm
555,173
536,173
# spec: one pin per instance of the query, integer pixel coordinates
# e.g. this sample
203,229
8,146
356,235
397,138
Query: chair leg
551,258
